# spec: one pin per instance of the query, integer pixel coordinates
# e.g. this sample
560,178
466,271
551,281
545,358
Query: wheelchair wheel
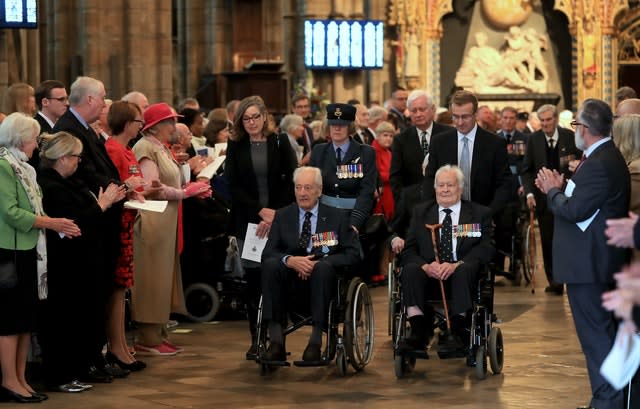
359,325
341,362
481,363
403,365
202,302
496,350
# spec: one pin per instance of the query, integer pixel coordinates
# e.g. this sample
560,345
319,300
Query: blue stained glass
318,43
333,44
356,44
344,44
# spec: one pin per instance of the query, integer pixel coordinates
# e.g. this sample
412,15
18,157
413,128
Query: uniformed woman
348,168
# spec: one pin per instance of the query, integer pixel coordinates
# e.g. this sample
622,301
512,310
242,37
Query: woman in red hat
158,279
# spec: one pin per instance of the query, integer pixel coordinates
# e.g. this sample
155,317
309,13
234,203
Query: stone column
432,69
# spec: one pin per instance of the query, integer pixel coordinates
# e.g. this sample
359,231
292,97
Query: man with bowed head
310,253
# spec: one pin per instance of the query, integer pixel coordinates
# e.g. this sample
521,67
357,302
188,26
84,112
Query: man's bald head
628,106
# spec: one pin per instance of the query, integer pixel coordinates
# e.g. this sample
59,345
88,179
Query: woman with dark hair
23,240
76,268
125,121
259,167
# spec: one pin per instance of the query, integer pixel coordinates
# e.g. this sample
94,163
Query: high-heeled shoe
40,395
133,366
9,395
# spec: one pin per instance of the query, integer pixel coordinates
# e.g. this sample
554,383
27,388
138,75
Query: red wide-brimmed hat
156,113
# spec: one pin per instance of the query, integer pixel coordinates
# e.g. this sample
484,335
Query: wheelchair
210,287
485,339
349,338
521,246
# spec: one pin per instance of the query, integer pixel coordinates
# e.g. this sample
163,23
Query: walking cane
434,228
532,250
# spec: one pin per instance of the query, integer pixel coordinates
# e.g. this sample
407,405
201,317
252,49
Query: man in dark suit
52,102
481,155
363,134
97,171
599,190
301,105
462,254
307,241
551,147
411,147
397,108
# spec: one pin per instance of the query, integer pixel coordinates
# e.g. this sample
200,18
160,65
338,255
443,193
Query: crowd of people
69,163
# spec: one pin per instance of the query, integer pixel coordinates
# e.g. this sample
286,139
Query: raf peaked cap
340,114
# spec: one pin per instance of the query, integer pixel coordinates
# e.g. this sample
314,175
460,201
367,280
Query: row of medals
353,170
467,230
324,239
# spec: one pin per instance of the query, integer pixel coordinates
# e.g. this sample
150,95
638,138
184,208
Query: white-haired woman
22,239
293,126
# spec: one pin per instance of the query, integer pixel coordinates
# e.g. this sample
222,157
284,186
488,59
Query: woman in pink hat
157,243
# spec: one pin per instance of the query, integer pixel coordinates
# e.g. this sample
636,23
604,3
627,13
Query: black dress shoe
556,289
11,396
134,366
115,371
42,396
96,375
252,352
275,353
312,353
412,343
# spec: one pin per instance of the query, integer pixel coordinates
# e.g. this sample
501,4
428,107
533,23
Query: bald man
628,106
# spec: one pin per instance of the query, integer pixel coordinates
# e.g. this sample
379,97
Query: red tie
582,159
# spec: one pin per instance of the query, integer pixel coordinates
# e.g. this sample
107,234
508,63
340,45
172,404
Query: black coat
491,183
407,158
245,202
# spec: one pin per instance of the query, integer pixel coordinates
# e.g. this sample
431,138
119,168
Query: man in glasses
481,155
598,190
52,102
552,147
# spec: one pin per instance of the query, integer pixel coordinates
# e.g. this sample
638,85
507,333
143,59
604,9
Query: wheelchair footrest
450,353
274,363
322,362
416,353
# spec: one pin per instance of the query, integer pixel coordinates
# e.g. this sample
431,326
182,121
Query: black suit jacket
285,231
602,182
536,157
474,251
491,182
44,128
407,158
243,185
96,168
323,156
398,119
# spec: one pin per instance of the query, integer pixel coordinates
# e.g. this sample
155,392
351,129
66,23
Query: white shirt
455,218
429,131
553,137
46,118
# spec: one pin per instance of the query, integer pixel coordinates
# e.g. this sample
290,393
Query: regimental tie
424,143
446,240
465,166
305,234
550,143
338,155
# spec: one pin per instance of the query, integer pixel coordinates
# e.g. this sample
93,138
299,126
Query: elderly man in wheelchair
307,244
460,256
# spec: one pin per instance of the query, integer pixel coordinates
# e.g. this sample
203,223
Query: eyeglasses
139,122
464,117
574,124
59,99
253,118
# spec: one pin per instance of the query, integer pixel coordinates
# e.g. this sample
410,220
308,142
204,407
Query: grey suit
534,159
283,241
584,261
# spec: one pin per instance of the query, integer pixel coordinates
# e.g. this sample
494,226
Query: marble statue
518,67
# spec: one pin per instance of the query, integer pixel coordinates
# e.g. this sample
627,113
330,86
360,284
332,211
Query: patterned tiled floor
544,368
